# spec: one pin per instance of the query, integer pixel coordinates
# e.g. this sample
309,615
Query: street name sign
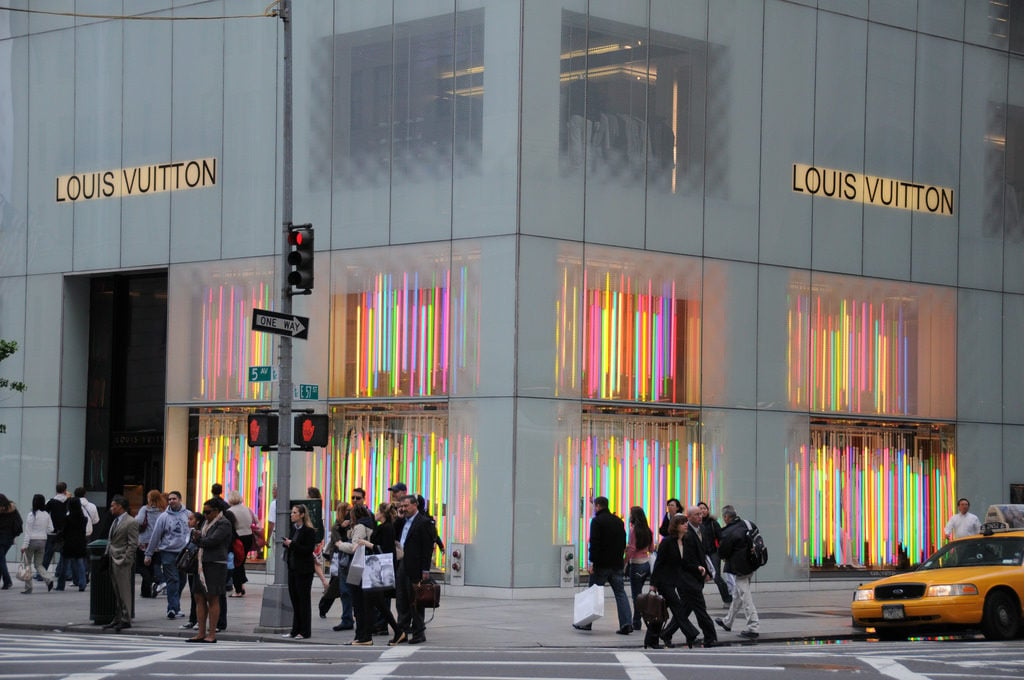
306,391
266,321
262,373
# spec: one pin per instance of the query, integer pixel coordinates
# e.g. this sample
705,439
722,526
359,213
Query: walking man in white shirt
963,523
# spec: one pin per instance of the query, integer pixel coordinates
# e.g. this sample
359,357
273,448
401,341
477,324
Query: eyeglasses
357,498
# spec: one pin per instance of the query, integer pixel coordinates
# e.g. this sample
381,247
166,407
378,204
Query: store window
634,457
869,495
632,331
868,346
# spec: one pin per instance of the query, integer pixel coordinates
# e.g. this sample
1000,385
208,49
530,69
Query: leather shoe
749,634
668,642
586,627
342,626
417,639
121,626
721,623
653,644
625,630
110,626
712,643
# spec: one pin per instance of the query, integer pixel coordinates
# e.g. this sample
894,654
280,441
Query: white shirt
963,525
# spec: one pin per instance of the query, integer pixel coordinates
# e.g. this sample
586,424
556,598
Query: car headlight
952,590
864,595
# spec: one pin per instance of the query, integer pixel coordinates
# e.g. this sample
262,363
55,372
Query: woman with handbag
377,603
299,548
188,564
337,586
666,580
359,535
638,556
244,520
37,527
10,528
214,541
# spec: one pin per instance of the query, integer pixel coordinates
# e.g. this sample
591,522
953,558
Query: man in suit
124,541
695,561
415,534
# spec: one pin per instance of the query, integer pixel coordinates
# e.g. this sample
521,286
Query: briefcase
652,608
428,594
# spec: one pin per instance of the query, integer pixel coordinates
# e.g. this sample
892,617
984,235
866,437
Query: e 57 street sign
280,324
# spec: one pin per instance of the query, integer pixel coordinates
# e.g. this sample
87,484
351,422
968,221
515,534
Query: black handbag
188,559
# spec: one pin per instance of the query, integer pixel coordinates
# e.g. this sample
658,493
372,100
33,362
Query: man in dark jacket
735,553
415,533
607,547
58,509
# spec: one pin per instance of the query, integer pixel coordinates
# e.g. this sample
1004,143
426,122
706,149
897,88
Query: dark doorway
127,374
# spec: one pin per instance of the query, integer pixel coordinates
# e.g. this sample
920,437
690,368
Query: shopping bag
355,568
378,572
588,606
653,608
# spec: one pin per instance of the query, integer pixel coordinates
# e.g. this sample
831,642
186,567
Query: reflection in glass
401,92
640,339
632,456
625,96
377,446
875,497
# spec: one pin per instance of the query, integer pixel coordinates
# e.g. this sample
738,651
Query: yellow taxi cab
972,582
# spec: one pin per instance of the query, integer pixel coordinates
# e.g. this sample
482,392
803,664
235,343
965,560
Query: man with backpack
737,552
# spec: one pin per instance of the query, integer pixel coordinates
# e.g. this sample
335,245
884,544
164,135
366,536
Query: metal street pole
276,612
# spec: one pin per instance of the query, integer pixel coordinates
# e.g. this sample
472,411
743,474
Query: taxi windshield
983,551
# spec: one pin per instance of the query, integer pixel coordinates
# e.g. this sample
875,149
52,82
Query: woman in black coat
299,548
74,552
672,508
667,578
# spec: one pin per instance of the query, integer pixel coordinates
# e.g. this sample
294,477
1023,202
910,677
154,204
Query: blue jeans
167,572
600,576
638,575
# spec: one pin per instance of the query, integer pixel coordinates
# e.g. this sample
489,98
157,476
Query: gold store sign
137,181
859,188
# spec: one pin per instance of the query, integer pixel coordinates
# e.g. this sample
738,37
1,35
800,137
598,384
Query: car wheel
891,634
1002,617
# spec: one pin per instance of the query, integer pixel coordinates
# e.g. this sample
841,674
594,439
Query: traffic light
309,430
300,238
261,430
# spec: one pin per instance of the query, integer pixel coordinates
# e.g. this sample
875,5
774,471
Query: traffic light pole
276,611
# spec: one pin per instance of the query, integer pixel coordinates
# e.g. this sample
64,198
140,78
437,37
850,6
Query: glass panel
676,104
1013,245
936,160
944,19
730,334
1013,360
776,360
982,176
901,13
612,128
422,141
14,154
987,23
979,368
640,334
486,118
888,146
392,320
787,115
363,74
732,166
210,344
552,182
875,497
872,346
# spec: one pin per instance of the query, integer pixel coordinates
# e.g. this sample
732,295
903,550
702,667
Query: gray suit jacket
124,540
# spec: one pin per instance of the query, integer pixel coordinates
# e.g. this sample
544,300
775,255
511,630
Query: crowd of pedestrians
694,549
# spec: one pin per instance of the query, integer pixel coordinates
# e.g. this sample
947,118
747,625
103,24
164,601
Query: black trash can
101,590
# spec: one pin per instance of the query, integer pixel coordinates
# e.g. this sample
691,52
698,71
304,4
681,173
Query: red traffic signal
309,430
261,430
300,258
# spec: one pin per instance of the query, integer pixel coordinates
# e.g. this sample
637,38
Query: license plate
893,612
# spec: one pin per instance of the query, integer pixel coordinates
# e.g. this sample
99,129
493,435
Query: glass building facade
767,254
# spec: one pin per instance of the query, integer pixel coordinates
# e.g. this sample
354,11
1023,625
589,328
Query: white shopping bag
588,606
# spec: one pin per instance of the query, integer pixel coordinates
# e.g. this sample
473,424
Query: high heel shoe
690,641
653,644
668,642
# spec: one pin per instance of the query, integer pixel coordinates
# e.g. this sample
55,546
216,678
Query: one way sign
266,321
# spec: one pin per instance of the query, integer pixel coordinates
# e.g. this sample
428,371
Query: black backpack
758,550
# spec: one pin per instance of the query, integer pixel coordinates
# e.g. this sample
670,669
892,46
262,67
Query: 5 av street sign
266,321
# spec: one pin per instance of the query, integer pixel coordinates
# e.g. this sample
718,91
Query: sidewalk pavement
468,617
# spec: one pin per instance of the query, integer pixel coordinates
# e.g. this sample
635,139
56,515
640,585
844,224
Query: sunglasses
357,498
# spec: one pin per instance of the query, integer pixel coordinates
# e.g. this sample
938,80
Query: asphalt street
67,656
